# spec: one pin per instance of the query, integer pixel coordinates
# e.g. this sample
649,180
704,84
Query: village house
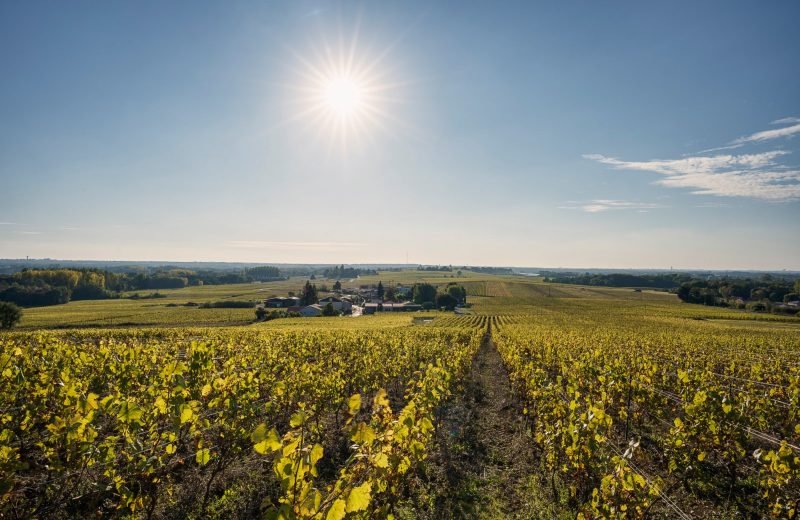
372,308
343,305
311,311
281,302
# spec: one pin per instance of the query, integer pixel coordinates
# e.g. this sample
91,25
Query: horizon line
400,264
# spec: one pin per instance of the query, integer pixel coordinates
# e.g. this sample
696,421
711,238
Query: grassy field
488,295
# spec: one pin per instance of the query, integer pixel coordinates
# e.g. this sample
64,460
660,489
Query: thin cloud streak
766,135
762,136
786,121
603,205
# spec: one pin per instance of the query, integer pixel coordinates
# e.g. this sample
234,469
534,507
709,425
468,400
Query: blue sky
561,134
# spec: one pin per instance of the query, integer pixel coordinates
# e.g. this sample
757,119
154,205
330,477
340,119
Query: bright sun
343,96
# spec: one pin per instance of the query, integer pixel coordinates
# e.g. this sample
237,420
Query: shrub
757,307
10,315
328,310
228,305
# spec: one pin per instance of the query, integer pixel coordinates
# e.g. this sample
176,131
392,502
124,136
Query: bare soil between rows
483,461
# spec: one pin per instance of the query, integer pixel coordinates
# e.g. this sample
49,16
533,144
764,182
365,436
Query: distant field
488,294
171,310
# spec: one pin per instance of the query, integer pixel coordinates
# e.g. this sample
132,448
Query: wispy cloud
697,164
760,137
8,224
766,135
602,205
28,232
294,246
756,175
747,175
786,121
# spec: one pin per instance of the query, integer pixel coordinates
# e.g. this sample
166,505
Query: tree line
761,293
766,293
655,281
40,287
340,271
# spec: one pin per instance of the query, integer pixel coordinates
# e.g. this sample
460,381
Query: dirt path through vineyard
483,463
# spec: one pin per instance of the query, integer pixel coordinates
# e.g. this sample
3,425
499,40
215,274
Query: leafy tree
309,294
381,291
10,315
447,301
423,292
791,297
458,292
337,286
328,310
391,292
261,313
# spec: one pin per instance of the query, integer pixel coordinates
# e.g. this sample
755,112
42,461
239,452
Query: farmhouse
280,302
339,304
372,308
311,311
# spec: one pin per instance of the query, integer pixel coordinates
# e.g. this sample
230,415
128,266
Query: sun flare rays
343,94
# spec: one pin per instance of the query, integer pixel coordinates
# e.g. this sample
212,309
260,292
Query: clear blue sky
562,134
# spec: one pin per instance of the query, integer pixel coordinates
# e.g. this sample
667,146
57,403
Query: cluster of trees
264,273
430,297
39,287
655,281
309,295
436,268
340,271
762,294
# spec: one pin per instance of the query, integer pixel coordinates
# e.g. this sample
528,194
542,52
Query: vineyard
631,406
629,416
168,413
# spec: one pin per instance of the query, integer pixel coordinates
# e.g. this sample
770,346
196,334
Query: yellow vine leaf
359,497
337,510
